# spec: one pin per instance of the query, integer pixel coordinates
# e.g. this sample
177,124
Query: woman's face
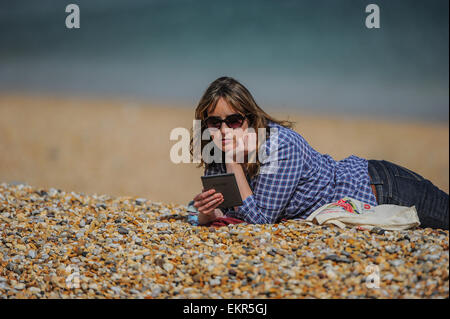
224,142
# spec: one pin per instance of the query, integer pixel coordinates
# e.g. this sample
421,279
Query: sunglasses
232,121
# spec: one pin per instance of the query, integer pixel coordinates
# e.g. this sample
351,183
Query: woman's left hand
245,146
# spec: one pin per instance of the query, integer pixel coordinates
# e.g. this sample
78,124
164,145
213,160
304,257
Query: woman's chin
225,147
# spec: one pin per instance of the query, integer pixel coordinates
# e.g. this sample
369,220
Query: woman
303,179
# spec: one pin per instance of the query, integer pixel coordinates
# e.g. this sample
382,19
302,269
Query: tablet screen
225,184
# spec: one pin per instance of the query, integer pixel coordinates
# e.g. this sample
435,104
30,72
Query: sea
306,55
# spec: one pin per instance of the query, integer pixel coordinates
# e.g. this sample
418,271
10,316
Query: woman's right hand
207,201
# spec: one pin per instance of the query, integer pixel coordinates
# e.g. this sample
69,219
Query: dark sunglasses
232,121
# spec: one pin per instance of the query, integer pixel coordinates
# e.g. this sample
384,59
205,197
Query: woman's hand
243,149
207,201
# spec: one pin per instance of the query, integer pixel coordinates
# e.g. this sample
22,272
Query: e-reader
225,184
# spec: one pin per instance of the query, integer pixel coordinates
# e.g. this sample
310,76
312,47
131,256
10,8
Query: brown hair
240,99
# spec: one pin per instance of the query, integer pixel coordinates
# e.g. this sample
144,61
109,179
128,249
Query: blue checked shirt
303,181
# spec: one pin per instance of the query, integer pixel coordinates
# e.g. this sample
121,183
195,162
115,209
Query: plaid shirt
304,181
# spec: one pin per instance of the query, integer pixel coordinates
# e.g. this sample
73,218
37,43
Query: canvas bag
351,212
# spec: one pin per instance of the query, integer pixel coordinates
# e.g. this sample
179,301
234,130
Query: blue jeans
397,185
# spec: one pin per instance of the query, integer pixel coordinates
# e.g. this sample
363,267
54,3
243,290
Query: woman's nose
223,128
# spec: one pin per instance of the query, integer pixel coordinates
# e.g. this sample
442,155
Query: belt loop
388,178
376,180
374,175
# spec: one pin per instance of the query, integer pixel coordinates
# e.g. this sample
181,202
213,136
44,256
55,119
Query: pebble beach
63,244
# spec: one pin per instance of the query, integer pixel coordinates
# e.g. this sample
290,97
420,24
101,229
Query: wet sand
121,147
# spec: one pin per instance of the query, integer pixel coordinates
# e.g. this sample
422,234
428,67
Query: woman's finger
205,201
200,203
206,209
203,195
210,201
213,207
209,204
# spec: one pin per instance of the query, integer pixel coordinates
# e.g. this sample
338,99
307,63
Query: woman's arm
237,168
241,180
272,191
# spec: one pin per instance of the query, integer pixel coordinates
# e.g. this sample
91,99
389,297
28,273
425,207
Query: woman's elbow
265,219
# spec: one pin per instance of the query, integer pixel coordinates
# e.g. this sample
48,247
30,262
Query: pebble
93,286
214,282
396,262
392,249
126,247
162,225
34,290
336,258
21,247
432,257
140,201
32,253
101,206
19,286
116,290
168,267
156,291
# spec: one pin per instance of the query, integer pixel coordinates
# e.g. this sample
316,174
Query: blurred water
313,55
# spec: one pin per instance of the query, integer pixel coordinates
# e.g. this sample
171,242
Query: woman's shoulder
285,135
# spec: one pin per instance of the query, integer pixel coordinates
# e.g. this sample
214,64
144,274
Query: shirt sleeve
273,188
